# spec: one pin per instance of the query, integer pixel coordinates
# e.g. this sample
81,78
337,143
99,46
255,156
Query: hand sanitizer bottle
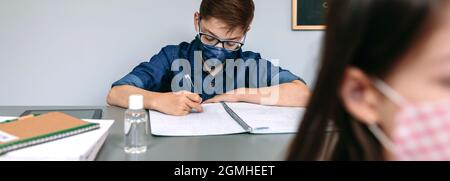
136,126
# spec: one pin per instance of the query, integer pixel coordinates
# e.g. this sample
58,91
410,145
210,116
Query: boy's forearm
294,94
118,96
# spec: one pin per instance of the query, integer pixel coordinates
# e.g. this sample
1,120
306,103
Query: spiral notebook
228,118
32,130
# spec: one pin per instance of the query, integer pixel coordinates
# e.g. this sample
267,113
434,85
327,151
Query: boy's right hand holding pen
180,103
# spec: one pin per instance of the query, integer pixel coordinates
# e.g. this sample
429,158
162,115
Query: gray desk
242,147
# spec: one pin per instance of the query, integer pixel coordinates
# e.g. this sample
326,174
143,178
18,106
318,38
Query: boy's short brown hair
235,13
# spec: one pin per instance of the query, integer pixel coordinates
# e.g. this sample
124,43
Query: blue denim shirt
157,74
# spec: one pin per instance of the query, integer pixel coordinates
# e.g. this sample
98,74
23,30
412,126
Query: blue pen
188,78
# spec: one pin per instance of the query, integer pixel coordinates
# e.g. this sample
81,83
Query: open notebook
82,147
228,118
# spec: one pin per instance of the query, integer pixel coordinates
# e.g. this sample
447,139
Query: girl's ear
359,96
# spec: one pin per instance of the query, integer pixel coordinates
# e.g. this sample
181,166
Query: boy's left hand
232,96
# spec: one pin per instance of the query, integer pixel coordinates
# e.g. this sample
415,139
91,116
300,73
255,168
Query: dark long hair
367,34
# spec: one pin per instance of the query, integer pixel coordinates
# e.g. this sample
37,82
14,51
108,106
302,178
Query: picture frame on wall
309,14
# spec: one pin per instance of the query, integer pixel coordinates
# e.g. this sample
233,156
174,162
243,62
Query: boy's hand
179,103
232,96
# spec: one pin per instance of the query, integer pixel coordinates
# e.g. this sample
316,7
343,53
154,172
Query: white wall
68,52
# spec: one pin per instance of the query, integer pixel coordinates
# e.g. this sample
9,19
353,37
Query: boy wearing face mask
212,68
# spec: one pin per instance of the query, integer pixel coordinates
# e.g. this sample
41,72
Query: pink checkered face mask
421,131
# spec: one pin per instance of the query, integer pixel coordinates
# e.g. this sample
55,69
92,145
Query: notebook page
277,119
214,120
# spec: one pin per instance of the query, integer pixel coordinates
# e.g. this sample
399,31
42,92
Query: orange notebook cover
31,130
